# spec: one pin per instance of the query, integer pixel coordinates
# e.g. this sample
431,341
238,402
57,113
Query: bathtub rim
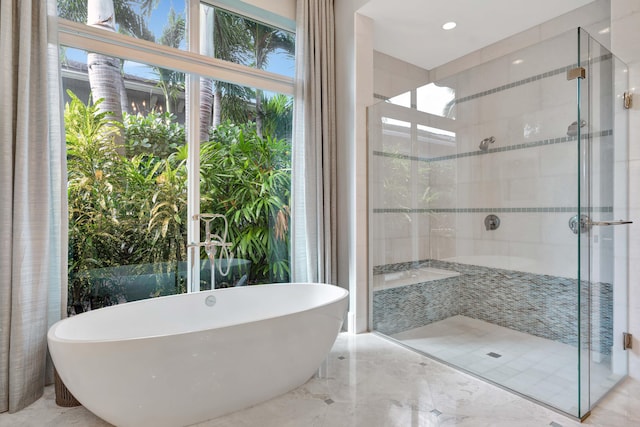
51,333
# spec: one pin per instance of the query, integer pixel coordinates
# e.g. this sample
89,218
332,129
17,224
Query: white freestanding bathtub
182,359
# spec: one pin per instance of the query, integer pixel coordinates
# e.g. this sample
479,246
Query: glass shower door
523,302
603,210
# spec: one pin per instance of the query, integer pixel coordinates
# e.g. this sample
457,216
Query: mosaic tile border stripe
387,98
514,147
540,305
555,72
570,209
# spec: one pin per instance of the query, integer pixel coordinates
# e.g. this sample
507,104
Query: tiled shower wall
540,305
430,192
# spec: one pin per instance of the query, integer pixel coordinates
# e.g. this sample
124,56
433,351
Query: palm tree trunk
105,78
259,112
217,106
124,99
206,102
261,44
207,17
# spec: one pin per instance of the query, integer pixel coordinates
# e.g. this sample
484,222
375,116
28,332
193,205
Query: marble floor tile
373,382
527,364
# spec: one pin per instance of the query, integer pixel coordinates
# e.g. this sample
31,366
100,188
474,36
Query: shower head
572,130
484,144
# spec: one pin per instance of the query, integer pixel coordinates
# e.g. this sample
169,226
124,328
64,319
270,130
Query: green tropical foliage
171,82
94,176
157,133
128,172
130,208
249,179
278,115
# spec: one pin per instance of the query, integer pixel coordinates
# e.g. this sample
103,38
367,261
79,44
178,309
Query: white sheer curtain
32,220
313,229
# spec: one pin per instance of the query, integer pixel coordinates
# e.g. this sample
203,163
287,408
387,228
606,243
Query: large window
137,115
239,39
157,21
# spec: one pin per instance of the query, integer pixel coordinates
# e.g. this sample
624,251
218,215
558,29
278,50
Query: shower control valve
491,222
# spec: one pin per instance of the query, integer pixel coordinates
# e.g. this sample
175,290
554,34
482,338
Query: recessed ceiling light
518,61
449,25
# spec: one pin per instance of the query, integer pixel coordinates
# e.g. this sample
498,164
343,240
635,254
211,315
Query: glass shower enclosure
497,232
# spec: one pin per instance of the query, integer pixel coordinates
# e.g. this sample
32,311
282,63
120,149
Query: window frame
82,36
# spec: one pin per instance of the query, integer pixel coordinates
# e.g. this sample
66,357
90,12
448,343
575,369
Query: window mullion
193,144
81,36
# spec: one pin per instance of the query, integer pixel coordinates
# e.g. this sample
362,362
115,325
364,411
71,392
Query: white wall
593,17
286,8
392,76
625,39
354,57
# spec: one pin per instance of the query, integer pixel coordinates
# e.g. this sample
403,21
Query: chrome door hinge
576,73
627,100
627,340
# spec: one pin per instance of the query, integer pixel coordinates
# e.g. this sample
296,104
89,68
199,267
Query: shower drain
494,355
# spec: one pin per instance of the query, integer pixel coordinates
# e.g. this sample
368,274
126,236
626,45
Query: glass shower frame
436,228
603,199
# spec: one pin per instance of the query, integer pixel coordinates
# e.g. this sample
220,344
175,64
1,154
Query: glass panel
158,21
620,244
241,40
604,188
473,261
582,130
245,174
126,180
403,100
437,100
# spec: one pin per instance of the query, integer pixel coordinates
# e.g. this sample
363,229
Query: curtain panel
32,230
313,228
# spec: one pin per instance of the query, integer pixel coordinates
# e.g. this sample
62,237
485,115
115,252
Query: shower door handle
620,222
584,223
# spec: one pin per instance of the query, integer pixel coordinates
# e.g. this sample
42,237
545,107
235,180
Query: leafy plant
278,116
94,174
129,207
168,216
248,179
156,134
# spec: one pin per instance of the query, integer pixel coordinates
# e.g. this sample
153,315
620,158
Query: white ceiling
411,30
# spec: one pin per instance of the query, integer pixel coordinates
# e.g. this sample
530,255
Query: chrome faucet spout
215,244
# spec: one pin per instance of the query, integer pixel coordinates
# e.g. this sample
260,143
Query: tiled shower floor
543,369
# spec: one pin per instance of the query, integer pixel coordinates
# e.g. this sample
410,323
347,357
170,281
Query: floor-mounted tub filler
183,359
